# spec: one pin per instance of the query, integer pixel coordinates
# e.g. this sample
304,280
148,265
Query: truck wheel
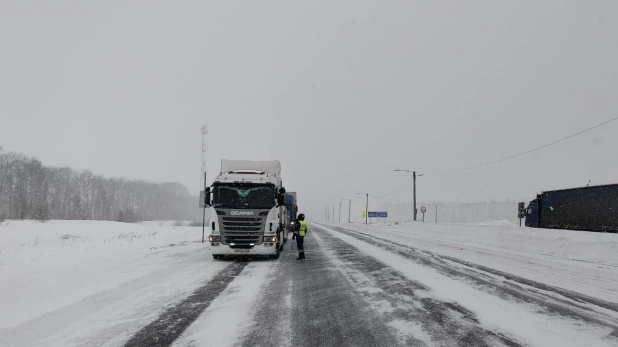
275,256
217,256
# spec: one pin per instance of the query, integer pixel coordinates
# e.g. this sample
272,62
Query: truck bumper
262,249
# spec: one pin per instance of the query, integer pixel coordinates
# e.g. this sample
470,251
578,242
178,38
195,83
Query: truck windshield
258,197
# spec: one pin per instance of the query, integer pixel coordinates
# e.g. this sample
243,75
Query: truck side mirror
205,197
280,199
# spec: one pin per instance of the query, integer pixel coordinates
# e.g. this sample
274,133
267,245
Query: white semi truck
245,206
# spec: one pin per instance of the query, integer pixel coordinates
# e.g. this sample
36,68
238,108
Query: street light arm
409,171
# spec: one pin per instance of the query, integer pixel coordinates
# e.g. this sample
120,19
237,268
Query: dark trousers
300,240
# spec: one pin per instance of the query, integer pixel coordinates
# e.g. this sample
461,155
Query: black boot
301,256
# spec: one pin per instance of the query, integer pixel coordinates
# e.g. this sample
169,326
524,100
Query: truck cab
247,210
532,214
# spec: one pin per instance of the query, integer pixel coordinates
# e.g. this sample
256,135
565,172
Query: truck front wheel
275,256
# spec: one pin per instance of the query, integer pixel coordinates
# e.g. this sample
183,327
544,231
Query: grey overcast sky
341,92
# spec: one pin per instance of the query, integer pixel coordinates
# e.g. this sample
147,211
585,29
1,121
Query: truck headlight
214,238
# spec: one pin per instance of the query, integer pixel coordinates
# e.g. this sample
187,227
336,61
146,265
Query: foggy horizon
342,94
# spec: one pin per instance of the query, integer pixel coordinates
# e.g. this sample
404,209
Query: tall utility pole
339,211
203,171
204,131
414,187
366,206
204,211
349,210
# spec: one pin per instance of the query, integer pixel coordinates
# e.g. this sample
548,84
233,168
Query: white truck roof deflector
272,167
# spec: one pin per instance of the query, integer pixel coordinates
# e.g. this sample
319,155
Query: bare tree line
30,190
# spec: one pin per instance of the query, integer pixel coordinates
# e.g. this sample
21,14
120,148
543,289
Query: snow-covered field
65,281
585,262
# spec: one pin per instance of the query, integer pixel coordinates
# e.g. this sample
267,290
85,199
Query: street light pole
366,206
414,187
339,211
350,212
349,209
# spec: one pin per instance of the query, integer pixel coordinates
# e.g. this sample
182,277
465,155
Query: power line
526,152
500,160
384,198
461,203
480,203
392,192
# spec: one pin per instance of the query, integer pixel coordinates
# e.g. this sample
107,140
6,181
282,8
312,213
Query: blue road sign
376,214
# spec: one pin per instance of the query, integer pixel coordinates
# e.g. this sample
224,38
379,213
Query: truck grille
242,230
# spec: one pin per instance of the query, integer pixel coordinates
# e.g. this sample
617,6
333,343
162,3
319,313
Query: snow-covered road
524,311
360,286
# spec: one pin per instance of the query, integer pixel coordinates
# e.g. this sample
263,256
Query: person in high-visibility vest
300,230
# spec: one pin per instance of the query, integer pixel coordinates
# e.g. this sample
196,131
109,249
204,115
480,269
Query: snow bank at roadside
580,245
171,223
26,243
46,266
489,222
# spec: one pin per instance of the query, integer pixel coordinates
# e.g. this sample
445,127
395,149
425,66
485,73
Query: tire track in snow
326,309
271,319
400,302
173,322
